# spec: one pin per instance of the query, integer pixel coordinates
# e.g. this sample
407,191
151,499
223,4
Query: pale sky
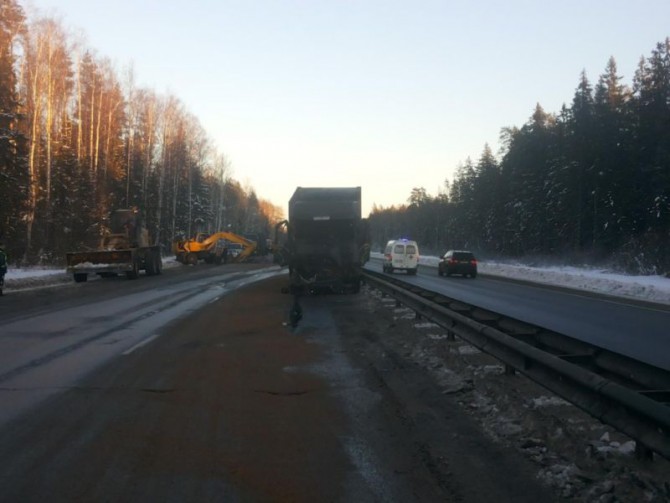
383,94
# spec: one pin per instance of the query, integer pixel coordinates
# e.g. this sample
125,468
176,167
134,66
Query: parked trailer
124,250
327,241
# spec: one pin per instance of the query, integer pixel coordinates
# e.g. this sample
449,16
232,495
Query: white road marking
140,344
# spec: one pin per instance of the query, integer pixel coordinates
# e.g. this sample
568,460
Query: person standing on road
3,266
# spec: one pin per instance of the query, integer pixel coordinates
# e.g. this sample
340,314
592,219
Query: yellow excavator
217,248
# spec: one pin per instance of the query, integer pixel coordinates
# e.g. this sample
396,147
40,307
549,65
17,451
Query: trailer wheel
191,259
150,264
80,277
135,272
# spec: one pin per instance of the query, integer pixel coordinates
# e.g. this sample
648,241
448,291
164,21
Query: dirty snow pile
579,457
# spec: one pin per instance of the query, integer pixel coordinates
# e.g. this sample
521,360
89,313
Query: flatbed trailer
129,261
124,250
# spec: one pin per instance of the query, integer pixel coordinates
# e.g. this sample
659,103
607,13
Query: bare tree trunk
173,216
91,135
48,127
167,119
33,176
190,198
108,139
150,130
131,109
97,135
80,129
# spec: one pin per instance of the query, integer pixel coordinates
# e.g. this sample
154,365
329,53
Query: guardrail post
417,315
398,303
451,336
509,370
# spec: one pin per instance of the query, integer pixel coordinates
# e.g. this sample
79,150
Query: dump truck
125,249
213,248
326,242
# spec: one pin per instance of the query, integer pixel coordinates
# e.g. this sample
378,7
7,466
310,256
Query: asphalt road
638,330
191,387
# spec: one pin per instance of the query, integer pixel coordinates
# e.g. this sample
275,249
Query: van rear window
399,249
411,250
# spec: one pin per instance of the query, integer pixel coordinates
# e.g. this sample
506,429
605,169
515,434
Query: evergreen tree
582,155
652,93
487,200
524,170
462,212
614,192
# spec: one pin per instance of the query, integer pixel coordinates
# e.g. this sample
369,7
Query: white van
401,255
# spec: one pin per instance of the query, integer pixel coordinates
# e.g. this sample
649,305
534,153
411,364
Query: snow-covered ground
42,277
648,288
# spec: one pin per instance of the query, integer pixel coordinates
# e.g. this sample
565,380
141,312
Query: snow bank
649,288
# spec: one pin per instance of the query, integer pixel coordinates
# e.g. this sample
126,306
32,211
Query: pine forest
588,184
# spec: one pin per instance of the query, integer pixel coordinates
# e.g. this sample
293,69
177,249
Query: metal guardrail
628,395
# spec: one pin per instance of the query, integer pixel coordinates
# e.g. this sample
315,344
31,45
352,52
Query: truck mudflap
112,261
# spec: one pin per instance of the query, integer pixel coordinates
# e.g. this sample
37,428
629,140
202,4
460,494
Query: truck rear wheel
191,259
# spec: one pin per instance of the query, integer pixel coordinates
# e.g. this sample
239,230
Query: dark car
458,262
